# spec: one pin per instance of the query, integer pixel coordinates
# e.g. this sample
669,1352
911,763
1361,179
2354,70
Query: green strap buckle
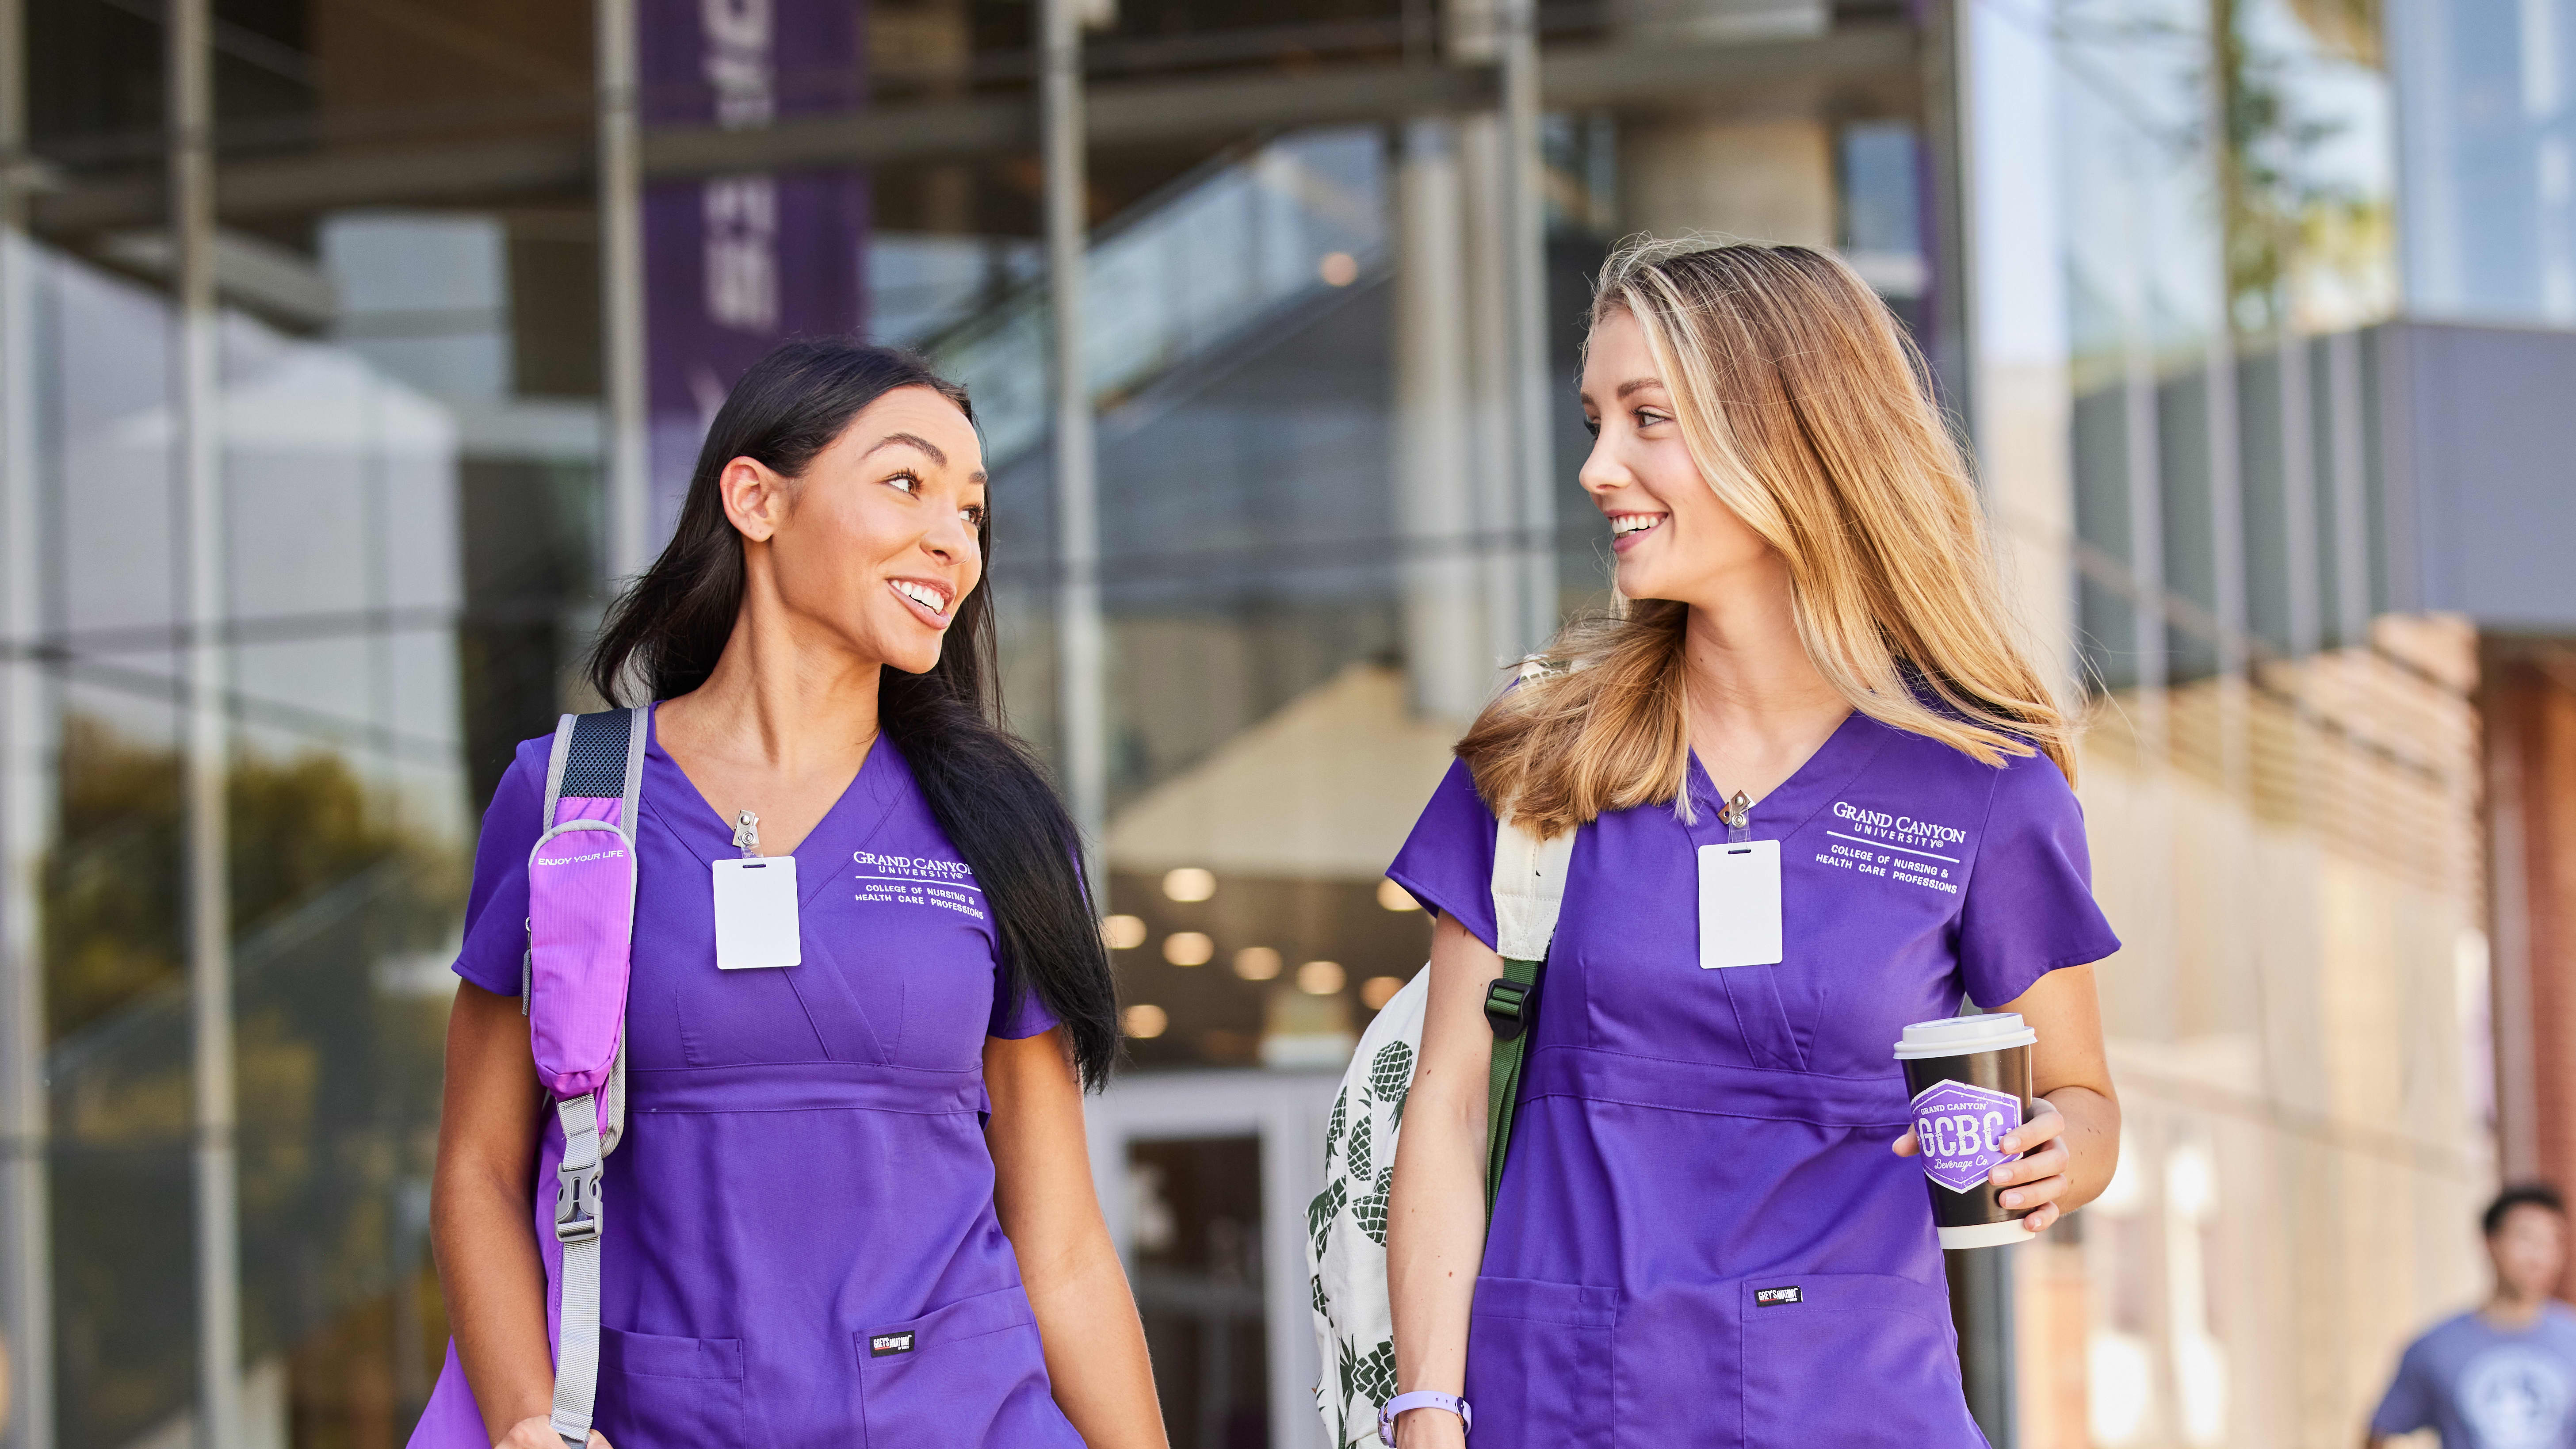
1507,1007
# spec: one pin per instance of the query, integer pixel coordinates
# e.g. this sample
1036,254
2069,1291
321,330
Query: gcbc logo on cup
886,1343
1958,1126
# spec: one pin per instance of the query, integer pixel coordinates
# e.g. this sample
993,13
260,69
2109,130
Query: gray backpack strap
598,757
545,822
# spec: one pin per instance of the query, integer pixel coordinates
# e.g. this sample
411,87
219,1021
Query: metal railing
1179,274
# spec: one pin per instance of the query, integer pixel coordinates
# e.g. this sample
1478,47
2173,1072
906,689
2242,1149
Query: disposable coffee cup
1969,1077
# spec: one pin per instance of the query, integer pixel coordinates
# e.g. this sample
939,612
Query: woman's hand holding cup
2037,1178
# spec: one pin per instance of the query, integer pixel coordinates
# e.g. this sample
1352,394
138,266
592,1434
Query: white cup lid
1957,1036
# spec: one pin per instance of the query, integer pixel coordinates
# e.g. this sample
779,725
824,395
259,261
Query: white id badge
1739,904
756,913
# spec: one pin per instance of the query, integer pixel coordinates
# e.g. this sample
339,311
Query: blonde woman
1703,1233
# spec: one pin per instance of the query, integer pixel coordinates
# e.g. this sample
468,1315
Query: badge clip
1737,815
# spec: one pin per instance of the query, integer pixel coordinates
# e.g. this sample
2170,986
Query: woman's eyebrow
1638,384
911,440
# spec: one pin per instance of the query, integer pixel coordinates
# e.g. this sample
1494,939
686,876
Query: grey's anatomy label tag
1774,1297
1739,904
882,1344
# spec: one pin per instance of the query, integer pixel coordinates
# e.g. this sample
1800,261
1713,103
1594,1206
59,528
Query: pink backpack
581,927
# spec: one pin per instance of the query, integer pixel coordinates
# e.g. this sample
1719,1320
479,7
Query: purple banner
733,264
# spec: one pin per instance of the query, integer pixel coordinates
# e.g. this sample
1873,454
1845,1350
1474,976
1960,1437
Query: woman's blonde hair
1809,414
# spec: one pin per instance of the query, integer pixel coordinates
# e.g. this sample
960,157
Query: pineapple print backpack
1346,1223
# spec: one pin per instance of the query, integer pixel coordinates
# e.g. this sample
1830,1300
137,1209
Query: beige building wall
2294,1024
1750,180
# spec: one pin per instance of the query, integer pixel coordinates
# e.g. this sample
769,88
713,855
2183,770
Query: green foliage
115,884
336,1080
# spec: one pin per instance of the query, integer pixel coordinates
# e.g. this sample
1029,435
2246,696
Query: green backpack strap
1529,892
1511,1009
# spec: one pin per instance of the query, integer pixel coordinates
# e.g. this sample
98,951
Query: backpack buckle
577,1202
1508,1006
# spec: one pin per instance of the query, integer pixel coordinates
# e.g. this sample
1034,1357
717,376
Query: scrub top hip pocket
1539,1363
965,1376
661,1392
1852,1360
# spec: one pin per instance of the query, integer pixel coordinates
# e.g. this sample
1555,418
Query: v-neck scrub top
803,1172
1689,1138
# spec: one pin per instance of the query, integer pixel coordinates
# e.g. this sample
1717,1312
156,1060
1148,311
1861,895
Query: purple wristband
1421,1399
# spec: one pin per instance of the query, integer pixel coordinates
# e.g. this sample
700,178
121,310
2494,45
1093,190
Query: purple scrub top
800,1244
1689,1139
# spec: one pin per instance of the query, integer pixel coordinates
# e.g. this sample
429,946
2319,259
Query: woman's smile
1627,530
927,598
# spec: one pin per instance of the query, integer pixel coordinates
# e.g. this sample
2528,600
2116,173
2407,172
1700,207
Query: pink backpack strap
572,989
581,906
581,926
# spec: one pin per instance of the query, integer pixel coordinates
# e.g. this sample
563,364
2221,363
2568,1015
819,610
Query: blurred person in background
2503,1375
1814,654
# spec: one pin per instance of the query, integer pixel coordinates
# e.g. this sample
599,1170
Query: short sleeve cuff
1471,909
482,972
1030,1018
2009,984
1447,863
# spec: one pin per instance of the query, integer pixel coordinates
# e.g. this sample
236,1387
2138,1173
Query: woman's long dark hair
985,787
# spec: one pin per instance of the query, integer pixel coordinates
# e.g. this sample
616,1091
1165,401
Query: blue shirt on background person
2483,1387
2504,1375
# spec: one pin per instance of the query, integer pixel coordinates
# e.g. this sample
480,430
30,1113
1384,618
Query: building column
1081,633
1511,445
625,455
1448,659
198,472
27,797
2006,255
2529,707
1524,257
1493,490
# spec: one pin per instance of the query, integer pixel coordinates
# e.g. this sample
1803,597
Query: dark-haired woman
852,1204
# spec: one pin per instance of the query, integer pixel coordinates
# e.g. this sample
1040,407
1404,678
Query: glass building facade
2191,351
352,350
